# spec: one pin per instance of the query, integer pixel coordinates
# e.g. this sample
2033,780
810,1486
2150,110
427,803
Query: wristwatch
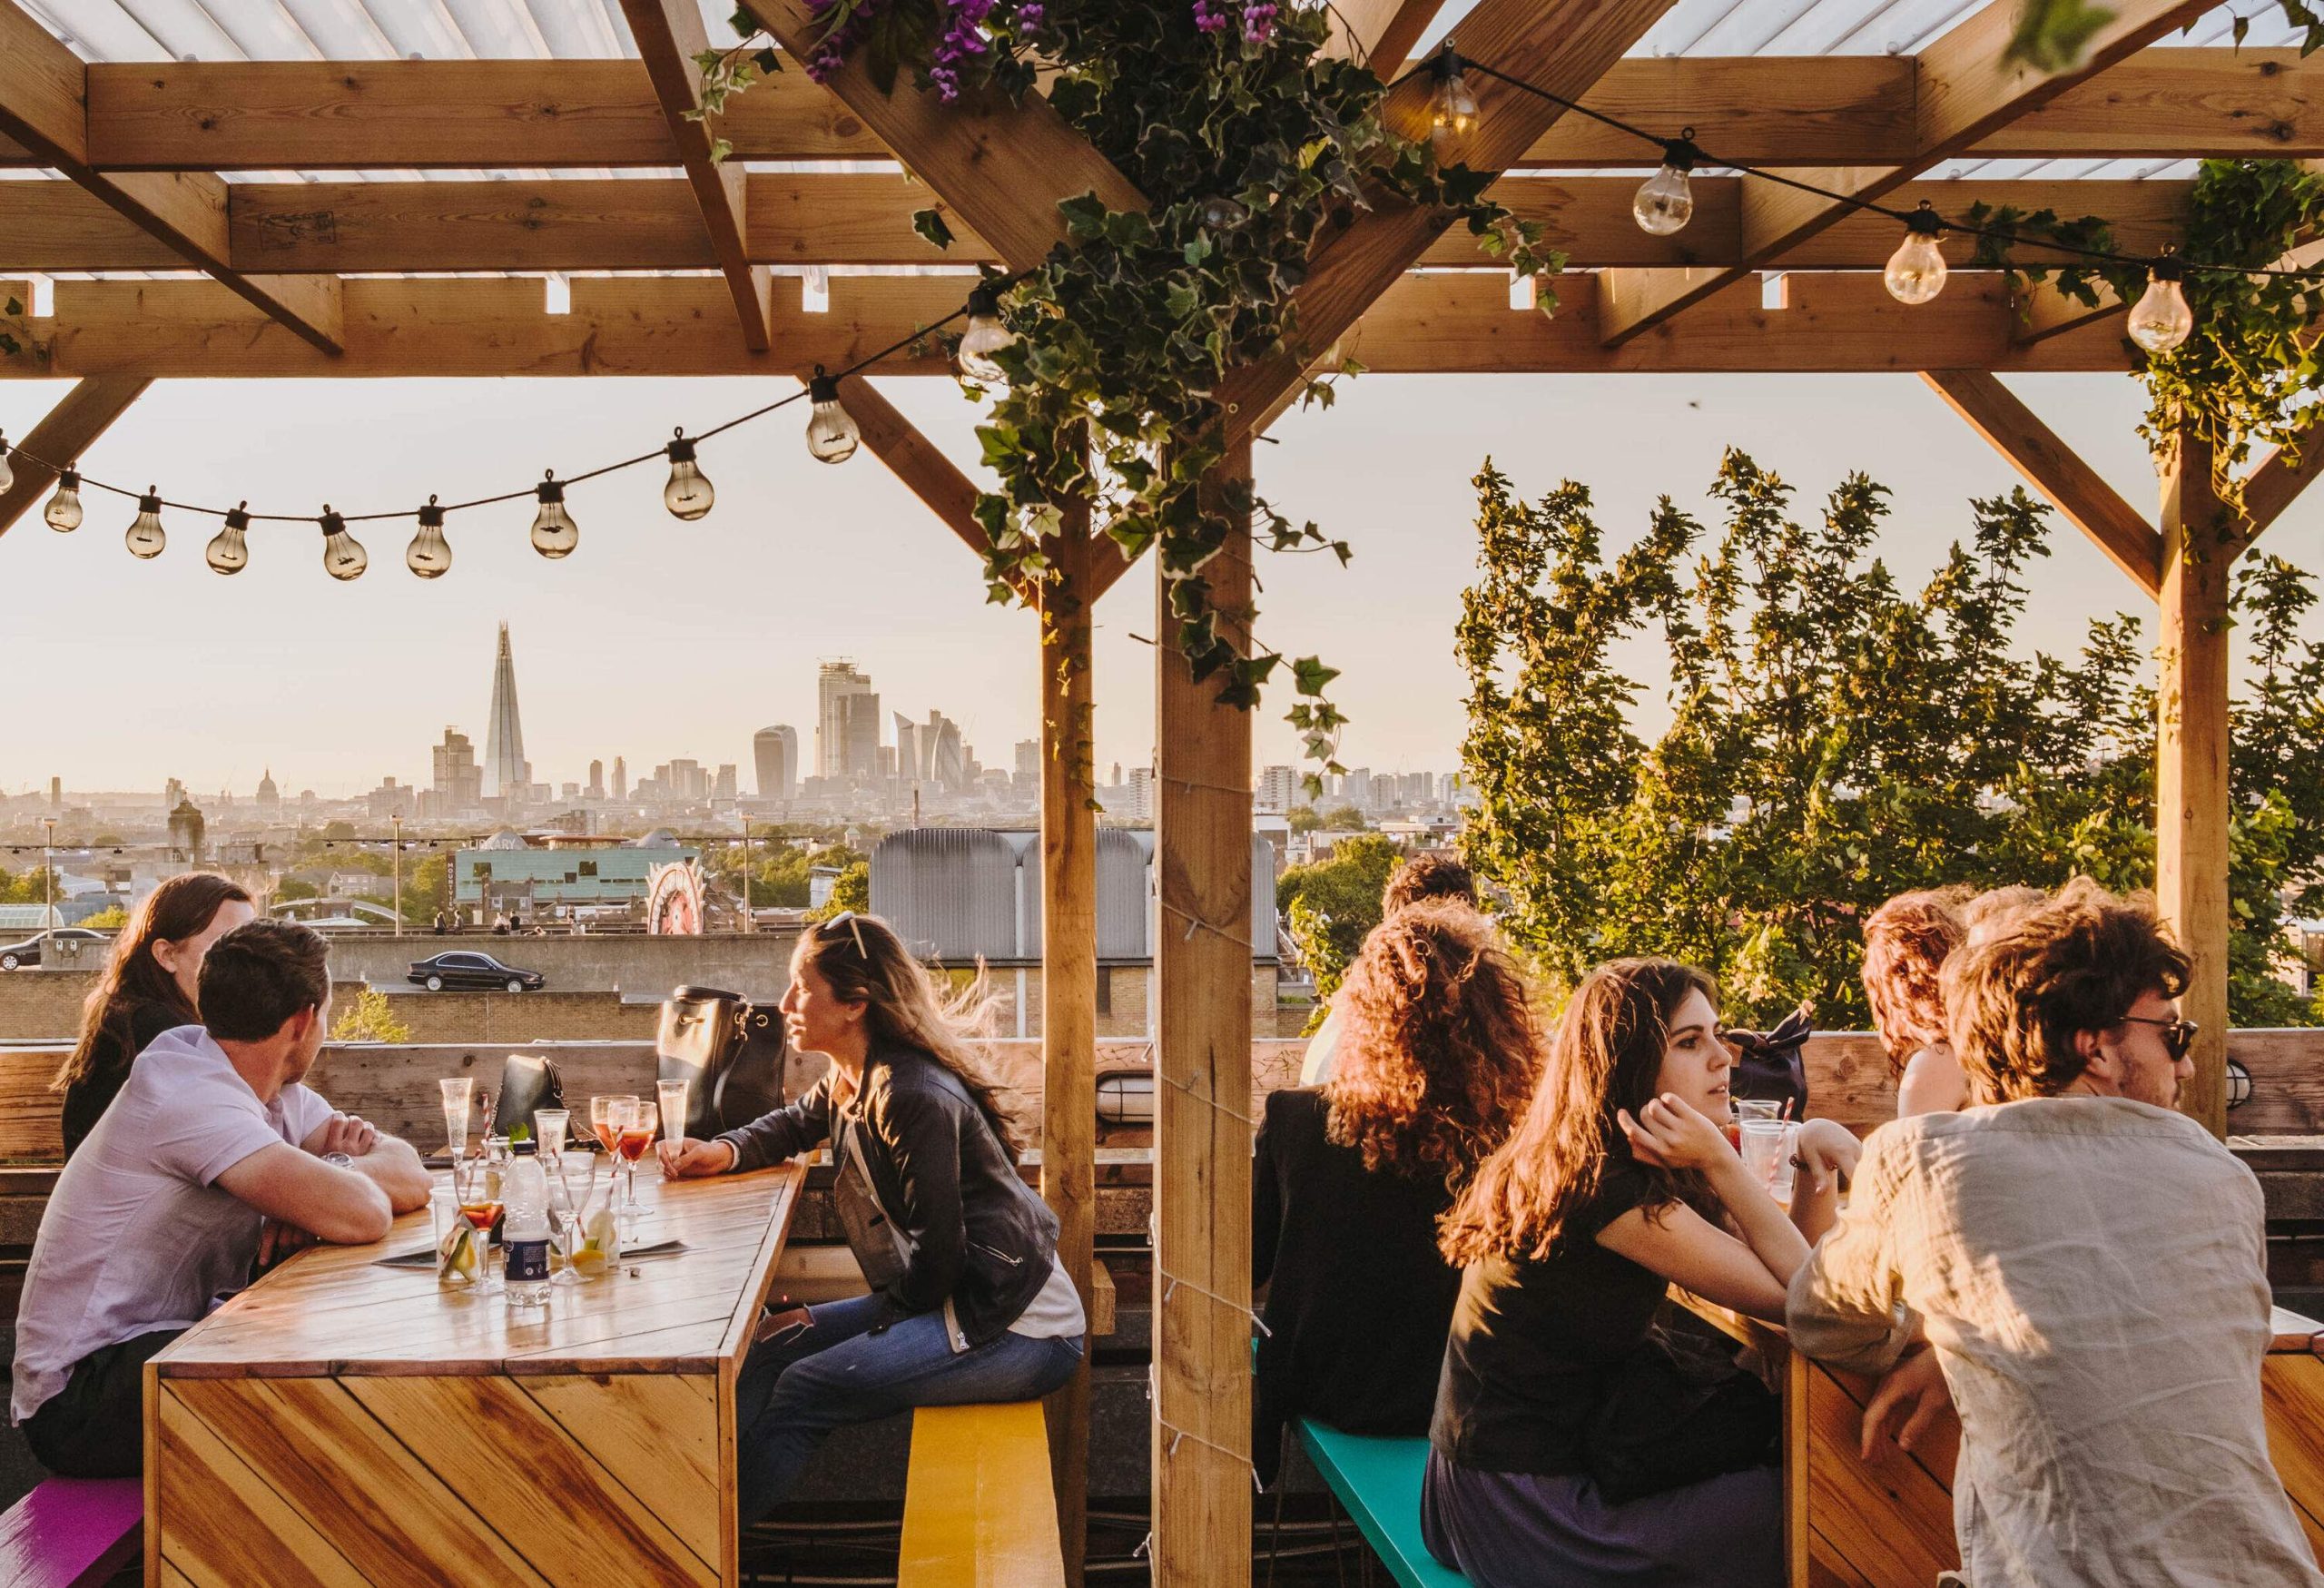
337,1158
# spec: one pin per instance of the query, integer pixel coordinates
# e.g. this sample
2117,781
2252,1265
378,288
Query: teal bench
1377,1482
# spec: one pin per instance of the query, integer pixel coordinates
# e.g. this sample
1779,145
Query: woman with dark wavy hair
1437,1053
147,987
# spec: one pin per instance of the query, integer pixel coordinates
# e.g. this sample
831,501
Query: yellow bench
979,1509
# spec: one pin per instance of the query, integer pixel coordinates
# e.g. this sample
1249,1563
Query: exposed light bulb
831,433
1915,271
146,537
985,336
343,556
429,554
229,551
554,534
62,513
2161,320
1666,201
688,495
7,475
1452,108
1219,212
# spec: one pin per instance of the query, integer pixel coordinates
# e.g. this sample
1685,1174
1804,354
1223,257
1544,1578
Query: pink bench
72,1533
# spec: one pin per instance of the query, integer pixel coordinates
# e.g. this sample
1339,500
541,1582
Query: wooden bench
1377,1482
73,1533
979,1509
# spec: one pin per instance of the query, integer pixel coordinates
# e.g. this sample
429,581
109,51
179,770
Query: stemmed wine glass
626,1130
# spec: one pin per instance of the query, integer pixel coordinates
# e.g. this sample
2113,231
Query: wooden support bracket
86,412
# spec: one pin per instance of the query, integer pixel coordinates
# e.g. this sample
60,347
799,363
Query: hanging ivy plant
1249,144
2249,372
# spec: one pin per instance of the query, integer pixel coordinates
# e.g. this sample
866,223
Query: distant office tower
1356,788
840,746
596,789
1029,758
1277,787
507,773
55,792
1141,793
621,778
458,781
947,758
775,753
1414,788
727,787
912,755
173,797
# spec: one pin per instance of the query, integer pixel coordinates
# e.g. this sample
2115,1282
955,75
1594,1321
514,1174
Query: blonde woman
968,1301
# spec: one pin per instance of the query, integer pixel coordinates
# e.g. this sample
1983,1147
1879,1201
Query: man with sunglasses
2078,1266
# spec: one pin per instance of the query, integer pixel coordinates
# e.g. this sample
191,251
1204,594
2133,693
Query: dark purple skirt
1522,1530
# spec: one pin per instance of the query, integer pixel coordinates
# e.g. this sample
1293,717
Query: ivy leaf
768,62
2052,34
1310,675
1085,217
2238,30
745,25
929,224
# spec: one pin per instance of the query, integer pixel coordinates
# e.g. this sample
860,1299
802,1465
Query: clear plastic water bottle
525,1232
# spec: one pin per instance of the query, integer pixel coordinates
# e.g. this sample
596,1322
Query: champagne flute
552,1125
459,1094
673,1097
636,1136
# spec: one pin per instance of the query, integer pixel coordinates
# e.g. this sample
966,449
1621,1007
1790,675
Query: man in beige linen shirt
2087,1267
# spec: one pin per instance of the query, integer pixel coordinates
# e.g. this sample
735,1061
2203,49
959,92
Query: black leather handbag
527,1083
730,1049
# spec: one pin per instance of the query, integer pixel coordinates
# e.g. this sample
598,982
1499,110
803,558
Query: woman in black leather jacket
967,1300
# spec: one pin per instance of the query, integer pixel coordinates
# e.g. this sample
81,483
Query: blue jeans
841,1369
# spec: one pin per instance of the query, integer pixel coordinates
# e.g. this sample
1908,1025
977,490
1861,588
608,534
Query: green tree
1305,819
291,888
372,1017
111,918
1329,906
1342,819
851,890
426,890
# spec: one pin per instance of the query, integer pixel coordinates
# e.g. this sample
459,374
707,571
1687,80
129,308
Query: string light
985,336
62,513
344,557
1666,201
429,555
146,537
1915,271
688,495
7,475
832,435
2161,320
1452,108
554,534
1220,212
229,551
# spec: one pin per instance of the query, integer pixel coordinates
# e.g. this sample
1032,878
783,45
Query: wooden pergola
276,279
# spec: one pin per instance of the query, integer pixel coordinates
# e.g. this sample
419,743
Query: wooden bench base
979,1509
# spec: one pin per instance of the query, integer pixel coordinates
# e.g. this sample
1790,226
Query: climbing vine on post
1250,142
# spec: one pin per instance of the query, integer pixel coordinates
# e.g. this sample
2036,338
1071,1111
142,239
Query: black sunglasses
2178,1035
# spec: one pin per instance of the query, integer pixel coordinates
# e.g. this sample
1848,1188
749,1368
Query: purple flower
1210,15
1258,22
1028,18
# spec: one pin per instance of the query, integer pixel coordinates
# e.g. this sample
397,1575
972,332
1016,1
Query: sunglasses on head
2178,1035
845,918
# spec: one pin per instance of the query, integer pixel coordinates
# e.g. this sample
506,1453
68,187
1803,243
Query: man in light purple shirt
213,1156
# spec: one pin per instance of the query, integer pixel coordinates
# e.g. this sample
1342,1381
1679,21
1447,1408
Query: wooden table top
331,1311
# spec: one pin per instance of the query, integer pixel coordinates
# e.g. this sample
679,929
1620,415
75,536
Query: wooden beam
1433,323
670,35
1963,92
2165,103
651,223
2056,471
2192,807
85,412
914,459
1004,166
1069,985
1379,34
1560,46
2269,488
1202,1145
41,107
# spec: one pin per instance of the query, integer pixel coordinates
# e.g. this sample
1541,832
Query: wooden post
2191,804
1070,990
1202,1139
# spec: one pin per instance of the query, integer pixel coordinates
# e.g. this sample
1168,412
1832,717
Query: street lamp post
750,922
396,821
47,873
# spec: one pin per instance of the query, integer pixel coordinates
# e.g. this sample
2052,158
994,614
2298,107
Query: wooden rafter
1963,92
914,459
2056,471
670,35
1380,33
648,223
1770,110
42,95
1003,166
1561,46
86,412
1429,323
2269,490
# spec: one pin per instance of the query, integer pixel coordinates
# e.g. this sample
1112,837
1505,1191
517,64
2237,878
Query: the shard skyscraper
507,773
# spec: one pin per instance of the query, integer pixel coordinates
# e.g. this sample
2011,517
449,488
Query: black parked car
466,968
18,956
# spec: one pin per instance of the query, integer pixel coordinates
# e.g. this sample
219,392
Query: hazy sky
658,639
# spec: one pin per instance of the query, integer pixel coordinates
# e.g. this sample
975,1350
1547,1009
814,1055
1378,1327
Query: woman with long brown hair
148,986
1905,943
1574,1442
968,1302
1437,1052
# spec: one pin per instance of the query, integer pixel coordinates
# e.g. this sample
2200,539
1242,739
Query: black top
1535,1342
1359,1300
87,1098
978,1238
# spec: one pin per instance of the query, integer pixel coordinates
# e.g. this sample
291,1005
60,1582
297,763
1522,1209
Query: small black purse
731,1051
1678,1410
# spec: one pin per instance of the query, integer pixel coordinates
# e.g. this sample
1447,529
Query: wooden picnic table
340,1422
